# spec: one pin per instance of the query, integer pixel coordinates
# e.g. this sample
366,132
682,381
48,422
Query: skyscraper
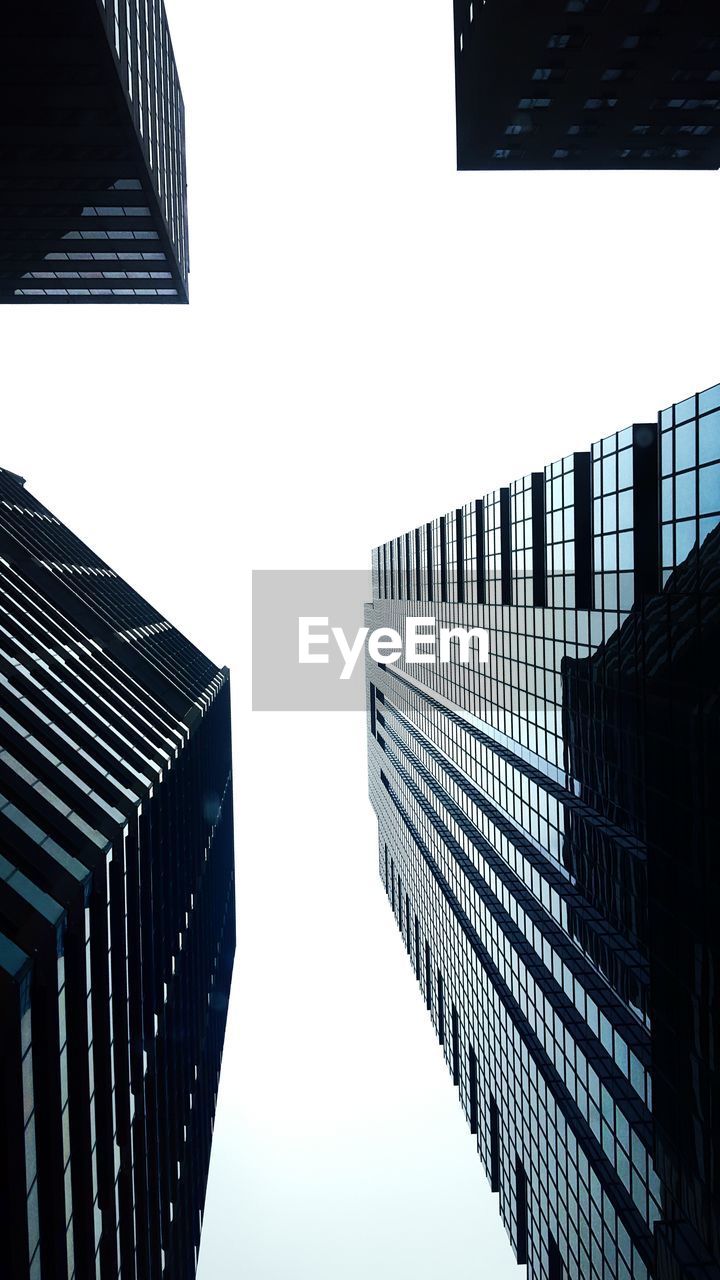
548,840
117,920
587,84
92,154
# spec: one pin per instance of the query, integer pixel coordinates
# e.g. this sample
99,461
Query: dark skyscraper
92,154
549,836
117,914
587,84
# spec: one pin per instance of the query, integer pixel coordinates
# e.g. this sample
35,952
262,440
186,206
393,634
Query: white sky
372,340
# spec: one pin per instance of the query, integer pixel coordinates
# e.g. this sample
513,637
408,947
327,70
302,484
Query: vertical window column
521,1203
556,1270
690,482
495,560
505,549
473,1085
455,1046
443,561
460,555
582,472
521,533
480,588
537,483
646,510
615,512
494,1146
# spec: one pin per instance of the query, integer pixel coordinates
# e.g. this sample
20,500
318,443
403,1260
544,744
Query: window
455,1047
473,1085
494,1146
521,1208
556,1270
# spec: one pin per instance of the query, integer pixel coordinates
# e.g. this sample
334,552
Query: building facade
117,918
93,204
587,84
549,835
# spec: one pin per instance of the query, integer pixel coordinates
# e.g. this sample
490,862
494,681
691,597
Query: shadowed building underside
587,84
92,154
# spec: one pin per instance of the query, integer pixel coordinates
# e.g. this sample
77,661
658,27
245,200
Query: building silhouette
92,154
117,920
587,84
548,840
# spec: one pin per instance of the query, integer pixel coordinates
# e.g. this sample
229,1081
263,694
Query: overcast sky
372,339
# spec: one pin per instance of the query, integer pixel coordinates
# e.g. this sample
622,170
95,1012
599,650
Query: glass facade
93,201
584,84
547,841
117,919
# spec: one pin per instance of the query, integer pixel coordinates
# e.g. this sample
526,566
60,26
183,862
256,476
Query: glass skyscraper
117,914
93,201
549,836
587,84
